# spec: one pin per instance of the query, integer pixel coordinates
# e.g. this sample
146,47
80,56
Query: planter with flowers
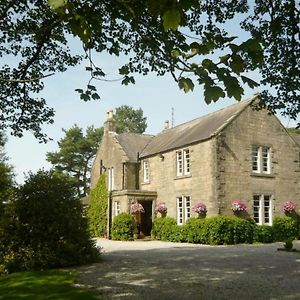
136,209
200,209
161,208
239,208
289,208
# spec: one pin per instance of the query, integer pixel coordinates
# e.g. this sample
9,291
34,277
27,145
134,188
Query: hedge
166,229
214,231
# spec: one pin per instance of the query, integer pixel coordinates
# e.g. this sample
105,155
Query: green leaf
237,64
171,19
91,87
186,84
79,91
208,65
213,93
95,96
175,53
124,70
85,97
56,4
251,83
128,79
233,87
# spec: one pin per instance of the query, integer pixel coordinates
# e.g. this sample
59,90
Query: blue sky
155,95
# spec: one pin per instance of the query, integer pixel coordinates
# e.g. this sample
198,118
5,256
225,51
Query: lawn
54,284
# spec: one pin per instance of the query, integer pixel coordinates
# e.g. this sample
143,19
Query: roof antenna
172,119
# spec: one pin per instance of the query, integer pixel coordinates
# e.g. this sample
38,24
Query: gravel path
162,270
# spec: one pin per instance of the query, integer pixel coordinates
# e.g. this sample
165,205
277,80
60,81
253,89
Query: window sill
145,183
182,177
262,175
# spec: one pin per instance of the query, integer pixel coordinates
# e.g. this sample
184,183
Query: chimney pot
166,125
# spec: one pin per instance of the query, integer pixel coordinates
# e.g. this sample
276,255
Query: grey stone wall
199,185
234,162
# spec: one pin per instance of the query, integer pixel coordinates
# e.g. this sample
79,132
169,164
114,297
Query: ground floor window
117,207
183,209
262,209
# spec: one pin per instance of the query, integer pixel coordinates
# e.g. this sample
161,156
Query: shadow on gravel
224,272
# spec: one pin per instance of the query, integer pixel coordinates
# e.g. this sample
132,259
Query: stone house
234,153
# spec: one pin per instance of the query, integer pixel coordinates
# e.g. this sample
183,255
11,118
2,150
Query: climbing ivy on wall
97,208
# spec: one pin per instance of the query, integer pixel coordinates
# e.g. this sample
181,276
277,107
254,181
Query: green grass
44,285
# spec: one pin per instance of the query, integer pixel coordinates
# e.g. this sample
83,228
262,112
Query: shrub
229,230
42,226
285,229
97,208
166,229
123,227
196,231
263,234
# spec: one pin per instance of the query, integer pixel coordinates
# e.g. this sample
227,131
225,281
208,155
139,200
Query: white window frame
179,163
183,162
263,209
183,209
261,159
117,208
146,171
111,180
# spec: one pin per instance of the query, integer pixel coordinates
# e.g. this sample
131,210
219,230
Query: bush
123,227
166,229
285,229
42,226
97,208
195,231
263,234
229,230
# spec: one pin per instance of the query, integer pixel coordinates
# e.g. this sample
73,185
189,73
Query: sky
155,95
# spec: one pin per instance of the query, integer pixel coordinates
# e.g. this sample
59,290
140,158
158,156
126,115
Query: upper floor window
183,209
262,209
183,162
261,159
146,170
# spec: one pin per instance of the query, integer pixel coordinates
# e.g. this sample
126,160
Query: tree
187,39
130,120
75,155
44,226
6,174
97,208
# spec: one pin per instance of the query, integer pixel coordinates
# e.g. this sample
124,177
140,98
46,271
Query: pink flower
199,208
136,208
161,208
238,205
289,207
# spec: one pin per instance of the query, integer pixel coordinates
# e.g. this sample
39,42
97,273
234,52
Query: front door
146,218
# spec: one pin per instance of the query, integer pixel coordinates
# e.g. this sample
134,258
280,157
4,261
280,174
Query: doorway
146,218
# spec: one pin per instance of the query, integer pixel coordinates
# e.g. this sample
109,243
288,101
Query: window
262,209
111,181
146,170
117,207
261,159
183,209
183,162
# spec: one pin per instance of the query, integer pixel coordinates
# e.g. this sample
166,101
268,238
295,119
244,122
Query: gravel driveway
162,270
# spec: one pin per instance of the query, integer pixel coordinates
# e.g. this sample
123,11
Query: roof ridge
211,113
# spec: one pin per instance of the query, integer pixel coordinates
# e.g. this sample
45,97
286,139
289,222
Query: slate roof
197,130
133,144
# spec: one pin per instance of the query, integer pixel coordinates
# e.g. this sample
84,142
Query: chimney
166,125
110,123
